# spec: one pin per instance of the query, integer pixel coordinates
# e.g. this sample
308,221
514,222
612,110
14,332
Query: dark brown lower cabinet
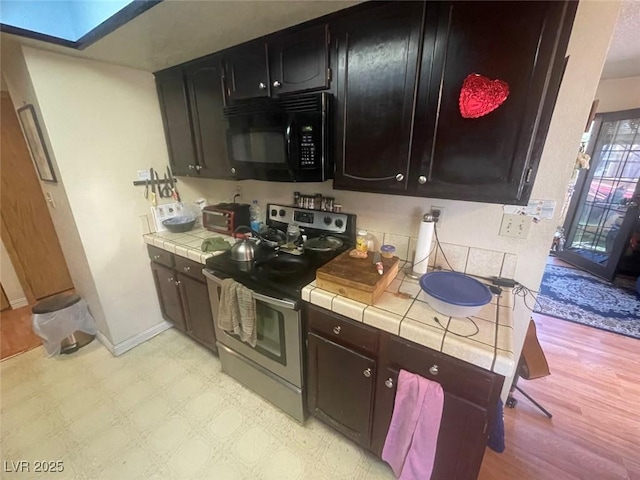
341,386
183,295
168,295
341,393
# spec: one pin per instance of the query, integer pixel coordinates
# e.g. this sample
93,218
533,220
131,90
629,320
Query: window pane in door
616,173
270,332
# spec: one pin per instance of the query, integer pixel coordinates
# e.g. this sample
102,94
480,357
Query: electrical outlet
437,213
516,226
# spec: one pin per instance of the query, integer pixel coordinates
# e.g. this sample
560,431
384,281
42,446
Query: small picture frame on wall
35,142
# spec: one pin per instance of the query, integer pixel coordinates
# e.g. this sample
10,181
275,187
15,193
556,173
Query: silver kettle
244,249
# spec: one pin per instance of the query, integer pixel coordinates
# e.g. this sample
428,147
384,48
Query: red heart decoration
480,95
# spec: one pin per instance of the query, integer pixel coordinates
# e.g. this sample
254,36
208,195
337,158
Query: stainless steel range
274,367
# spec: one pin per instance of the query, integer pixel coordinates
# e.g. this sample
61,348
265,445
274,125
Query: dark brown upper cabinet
300,61
206,97
377,59
285,63
174,106
399,128
490,158
191,102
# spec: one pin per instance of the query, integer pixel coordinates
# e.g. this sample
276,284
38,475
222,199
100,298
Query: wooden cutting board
356,278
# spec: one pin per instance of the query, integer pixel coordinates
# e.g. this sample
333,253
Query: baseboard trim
19,303
136,340
105,342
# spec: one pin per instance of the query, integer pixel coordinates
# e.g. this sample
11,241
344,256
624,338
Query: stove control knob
327,220
282,212
339,223
274,212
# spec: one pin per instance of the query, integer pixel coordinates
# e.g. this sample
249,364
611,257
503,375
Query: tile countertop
403,310
188,244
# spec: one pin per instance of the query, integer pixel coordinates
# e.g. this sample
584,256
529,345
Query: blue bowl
454,294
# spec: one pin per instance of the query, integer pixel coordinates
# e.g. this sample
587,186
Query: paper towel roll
423,247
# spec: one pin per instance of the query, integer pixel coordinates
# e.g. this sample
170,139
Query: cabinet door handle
422,179
337,329
186,269
367,372
262,86
399,177
388,382
277,84
198,167
171,279
156,257
191,167
178,283
433,370
233,170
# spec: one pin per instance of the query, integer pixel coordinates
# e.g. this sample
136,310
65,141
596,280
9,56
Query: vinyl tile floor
163,410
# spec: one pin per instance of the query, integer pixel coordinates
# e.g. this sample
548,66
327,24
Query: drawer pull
433,370
337,329
156,257
178,283
170,279
388,382
367,372
186,269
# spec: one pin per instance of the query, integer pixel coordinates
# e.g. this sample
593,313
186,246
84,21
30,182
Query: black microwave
283,140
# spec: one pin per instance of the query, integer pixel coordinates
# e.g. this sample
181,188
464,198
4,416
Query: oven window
270,325
259,146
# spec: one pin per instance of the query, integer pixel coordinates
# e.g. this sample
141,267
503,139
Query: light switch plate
516,226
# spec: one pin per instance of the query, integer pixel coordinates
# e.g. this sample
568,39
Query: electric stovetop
279,274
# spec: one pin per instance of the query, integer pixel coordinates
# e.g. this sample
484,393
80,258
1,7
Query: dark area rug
577,296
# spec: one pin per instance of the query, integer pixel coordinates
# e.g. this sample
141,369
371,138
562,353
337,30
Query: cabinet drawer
342,330
190,268
160,256
459,378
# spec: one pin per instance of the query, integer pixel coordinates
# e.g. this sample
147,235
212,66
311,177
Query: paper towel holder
408,270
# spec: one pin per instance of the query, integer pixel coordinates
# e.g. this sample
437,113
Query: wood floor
16,333
593,393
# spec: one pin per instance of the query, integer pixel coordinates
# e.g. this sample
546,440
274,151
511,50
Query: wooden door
300,61
204,81
168,295
174,106
377,64
247,72
28,232
340,383
4,300
197,308
490,158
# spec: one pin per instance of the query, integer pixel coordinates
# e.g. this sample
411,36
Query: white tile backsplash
454,257
484,263
377,239
509,265
401,242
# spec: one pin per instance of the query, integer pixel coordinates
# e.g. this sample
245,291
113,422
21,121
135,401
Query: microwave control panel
307,146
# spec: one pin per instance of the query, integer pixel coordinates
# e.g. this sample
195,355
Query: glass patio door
604,210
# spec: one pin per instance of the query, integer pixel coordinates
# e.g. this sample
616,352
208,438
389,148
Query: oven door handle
278,302
257,296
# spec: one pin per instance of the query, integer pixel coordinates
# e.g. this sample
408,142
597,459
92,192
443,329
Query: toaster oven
225,217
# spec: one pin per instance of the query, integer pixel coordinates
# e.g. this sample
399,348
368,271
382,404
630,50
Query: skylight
74,23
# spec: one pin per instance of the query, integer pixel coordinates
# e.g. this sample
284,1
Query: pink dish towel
410,446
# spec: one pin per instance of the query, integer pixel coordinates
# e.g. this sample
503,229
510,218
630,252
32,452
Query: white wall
21,90
104,124
618,94
478,224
